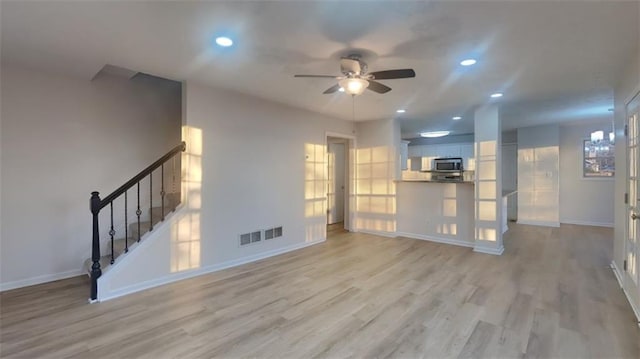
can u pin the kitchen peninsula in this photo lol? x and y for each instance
(439, 211)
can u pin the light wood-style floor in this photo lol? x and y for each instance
(550, 295)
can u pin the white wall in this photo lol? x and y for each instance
(538, 172)
(583, 201)
(378, 164)
(62, 138)
(259, 165)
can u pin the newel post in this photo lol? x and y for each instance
(96, 272)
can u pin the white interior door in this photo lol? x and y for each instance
(336, 183)
(631, 270)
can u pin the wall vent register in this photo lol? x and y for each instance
(256, 236)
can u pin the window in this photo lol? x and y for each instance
(599, 159)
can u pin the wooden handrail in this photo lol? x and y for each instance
(144, 173)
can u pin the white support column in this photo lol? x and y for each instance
(488, 181)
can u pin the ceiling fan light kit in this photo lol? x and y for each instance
(355, 78)
(354, 86)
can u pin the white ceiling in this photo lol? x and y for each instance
(555, 61)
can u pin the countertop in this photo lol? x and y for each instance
(433, 181)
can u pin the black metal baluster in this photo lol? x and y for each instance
(173, 185)
(162, 188)
(173, 174)
(151, 201)
(138, 212)
(112, 232)
(126, 225)
(96, 272)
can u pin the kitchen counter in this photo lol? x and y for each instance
(440, 211)
(433, 181)
(436, 210)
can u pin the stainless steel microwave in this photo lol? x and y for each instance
(450, 164)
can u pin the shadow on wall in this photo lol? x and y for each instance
(538, 198)
(488, 200)
(185, 232)
(315, 192)
(449, 211)
(375, 189)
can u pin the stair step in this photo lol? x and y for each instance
(172, 200)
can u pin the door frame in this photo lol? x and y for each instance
(629, 286)
(350, 213)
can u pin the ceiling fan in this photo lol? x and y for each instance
(355, 78)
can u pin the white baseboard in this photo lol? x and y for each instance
(587, 223)
(539, 223)
(39, 280)
(455, 242)
(489, 250)
(618, 275)
(200, 271)
(379, 233)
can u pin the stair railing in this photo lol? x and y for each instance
(98, 204)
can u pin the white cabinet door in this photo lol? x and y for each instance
(429, 153)
(404, 154)
(444, 151)
(466, 152)
(415, 151)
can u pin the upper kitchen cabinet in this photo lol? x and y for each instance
(468, 156)
(404, 154)
(444, 151)
(423, 155)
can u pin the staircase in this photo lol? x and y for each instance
(123, 245)
(135, 215)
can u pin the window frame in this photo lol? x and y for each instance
(583, 158)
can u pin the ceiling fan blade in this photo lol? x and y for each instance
(378, 87)
(319, 76)
(348, 65)
(393, 74)
(332, 89)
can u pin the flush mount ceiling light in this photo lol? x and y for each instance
(468, 62)
(401, 111)
(354, 86)
(434, 134)
(456, 118)
(341, 89)
(224, 41)
(496, 95)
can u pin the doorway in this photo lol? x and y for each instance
(339, 187)
(631, 267)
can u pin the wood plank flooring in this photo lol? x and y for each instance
(550, 295)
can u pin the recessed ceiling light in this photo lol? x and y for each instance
(468, 62)
(496, 95)
(456, 118)
(341, 89)
(224, 41)
(401, 111)
(433, 134)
